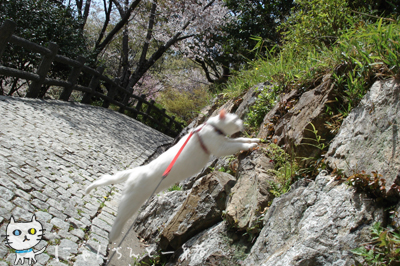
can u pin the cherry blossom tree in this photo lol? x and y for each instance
(175, 25)
(156, 27)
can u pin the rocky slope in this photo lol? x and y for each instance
(234, 217)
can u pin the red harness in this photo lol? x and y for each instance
(203, 146)
(166, 172)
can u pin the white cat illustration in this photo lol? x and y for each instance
(23, 236)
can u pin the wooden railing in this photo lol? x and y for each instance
(141, 111)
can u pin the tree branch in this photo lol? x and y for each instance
(86, 13)
(100, 46)
(146, 64)
(105, 24)
(206, 71)
(185, 37)
(119, 7)
(79, 4)
(149, 33)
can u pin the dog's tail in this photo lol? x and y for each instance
(105, 180)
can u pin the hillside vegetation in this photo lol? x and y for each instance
(352, 48)
(365, 49)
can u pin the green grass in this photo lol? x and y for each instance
(362, 54)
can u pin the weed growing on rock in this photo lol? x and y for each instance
(279, 189)
(255, 228)
(265, 102)
(175, 188)
(375, 186)
(225, 170)
(285, 169)
(384, 248)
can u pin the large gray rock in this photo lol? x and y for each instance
(250, 195)
(267, 128)
(240, 105)
(368, 139)
(200, 210)
(214, 246)
(151, 220)
(316, 223)
(291, 121)
(250, 98)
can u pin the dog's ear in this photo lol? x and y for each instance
(222, 114)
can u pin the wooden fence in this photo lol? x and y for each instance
(141, 111)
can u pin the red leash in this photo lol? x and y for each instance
(163, 176)
(166, 172)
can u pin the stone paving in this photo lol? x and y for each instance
(49, 152)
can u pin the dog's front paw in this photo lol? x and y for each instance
(253, 145)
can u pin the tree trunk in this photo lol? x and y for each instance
(125, 59)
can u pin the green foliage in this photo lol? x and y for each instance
(362, 54)
(367, 52)
(278, 189)
(384, 248)
(222, 169)
(253, 18)
(175, 187)
(285, 168)
(317, 141)
(41, 21)
(316, 22)
(277, 154)
(184, 104)
(265, 102)
(286, 71)
(288, 168)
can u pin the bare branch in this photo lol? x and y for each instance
(105, 24)
(149, 33)
(86, 13)
(100, 46)
(79, 4)
(119, 7)
(146, 64)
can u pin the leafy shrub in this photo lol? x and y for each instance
(374, 185)
(265, 102)
(184, 104)
(367, 53)
(285, 168)
(384, 248)
(316, 22)
(41, 21)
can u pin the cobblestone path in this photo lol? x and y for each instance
(49, 152)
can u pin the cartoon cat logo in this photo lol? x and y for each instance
(23, 236)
